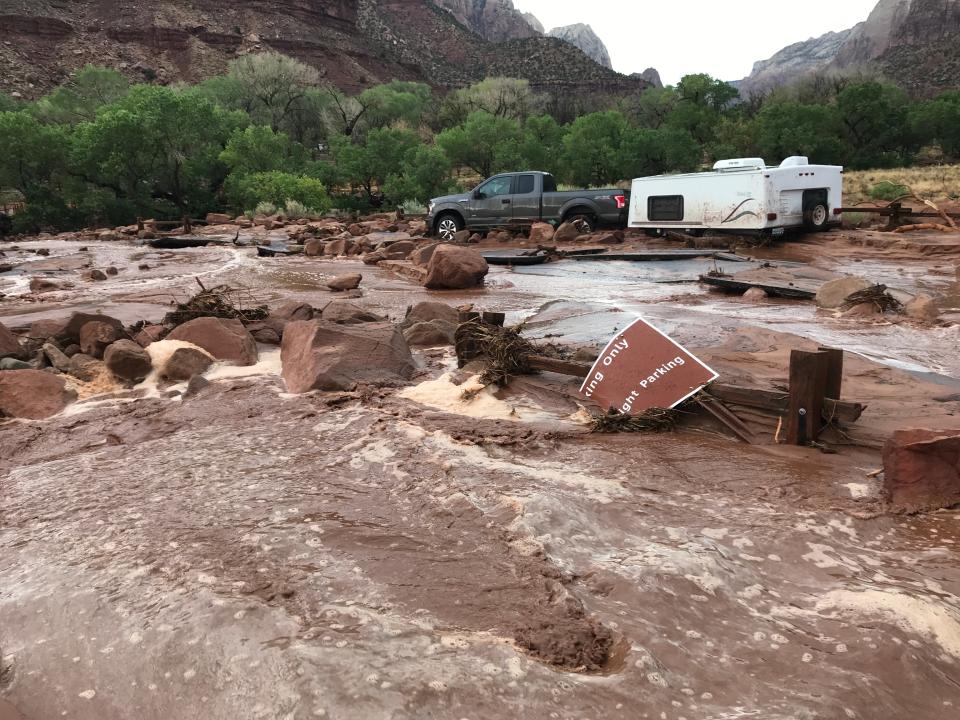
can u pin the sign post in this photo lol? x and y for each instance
(642, 368)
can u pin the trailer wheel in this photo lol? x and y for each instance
(817, 216)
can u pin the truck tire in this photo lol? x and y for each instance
(816, 216)
(587, 222)
(448, 225)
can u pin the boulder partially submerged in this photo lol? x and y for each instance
(453, 267)
(33, 394)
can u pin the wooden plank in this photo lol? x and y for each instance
(784, 291)
(834, 372)
(777, 403)
(497, 319)
(725, 415)
(903, 212)
(808, 382)
(564, 367)
(662, 255)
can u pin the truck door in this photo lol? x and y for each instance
(526, 199)
(492, 203)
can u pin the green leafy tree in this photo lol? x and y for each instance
(397, 101)
(367, 165)
(700, 103)
(425, 174)
(157, 149)
(654, 152)
(485, 143)
(501, 97)
(938, 121)
(652, 108)
(786, 128)
(874, 116)
(82, 96)
(258, 148)
(541, 144)
(594, 148)
(245, 192)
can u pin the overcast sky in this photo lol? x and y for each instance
(678, 37)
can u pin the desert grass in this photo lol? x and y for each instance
(935, 182)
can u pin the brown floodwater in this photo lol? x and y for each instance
(245, 553)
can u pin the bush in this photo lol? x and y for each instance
(296, 210)
(247, 191)
(265, 208)
(887, 190)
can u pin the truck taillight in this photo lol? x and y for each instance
(771, 216)
(621, 201)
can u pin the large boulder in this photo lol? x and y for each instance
(541, 232)
(399, 250)
(338, 247)
(218, 219)
(343, 312)
(351, 281)
(128, 361)
(224, 339)
(314, 247)
(96, 336)
(70, 332)
(921, 469)
(429, 311)
(455, 268)
(422, 255)
(430, 333)
(319, 355)
(184, 363)
(9, 344)
(293, 311)
(834, 293)
(923, 309)
(567, 232)
(32, 394)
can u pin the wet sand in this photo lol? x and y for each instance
(246, 553)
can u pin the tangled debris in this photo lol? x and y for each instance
(652, 420)
(221, 301)
(876, 295)
(506, 352)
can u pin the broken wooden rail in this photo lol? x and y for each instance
(897, 212)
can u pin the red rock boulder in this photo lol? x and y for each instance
(96, 336)
(128, 361)
(921, 469)
(224, 339)
(452, 267)
(319, 355)
(32, 394)
(541, 232)
(9, 344)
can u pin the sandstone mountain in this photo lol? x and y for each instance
(583, 37)
(493, 20)
(913, 42)
(353, 44)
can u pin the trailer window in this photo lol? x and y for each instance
(665, 207)
(525, 185)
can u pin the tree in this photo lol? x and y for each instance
(654, 152)
(784, 128)
(652, 107)
(397, 101)
(258, 148)
(270, 87)
(594, 148)
(157, 148)
(541, 144)
(79, 99)
(485, 143)
(874, 116)
(425, 174)
(368, 165)
(938, 121)
(277, 188)
(501, 97)
(700, 103)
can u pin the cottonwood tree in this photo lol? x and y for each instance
(82, 95)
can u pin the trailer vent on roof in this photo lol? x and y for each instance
(795, 161)
(740, 164)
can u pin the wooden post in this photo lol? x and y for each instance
(497, 319)
(187, 227)
(895, 216)
(464, 343)
(834, 372)
(139, 224)
(808, 383)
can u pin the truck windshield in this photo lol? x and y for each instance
(549, 183)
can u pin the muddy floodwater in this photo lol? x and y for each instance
(241, 552)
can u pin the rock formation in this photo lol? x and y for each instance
(583, 37)
(493, 20)
(795, 61)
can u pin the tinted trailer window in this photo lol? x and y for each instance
(665, 208)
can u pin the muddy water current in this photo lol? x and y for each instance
(246, 553)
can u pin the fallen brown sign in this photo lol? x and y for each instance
(642, 368)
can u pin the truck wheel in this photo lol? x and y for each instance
(448, 226)
(584, 222)
(817, 216)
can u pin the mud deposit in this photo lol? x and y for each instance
(245, 553)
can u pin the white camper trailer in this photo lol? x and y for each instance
(740, 196)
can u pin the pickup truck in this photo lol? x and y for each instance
(518, 199)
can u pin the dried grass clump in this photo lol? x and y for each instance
(652, 420)
(876, 295)
(222, 301)
(506, 352)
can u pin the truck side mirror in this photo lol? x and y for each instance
(478, 195)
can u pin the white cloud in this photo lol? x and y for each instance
(679, 37)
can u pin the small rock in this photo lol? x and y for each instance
(86, 368)
(342, 312)
(834, 293)
(755, 294)
(345, 282)
(9, 363)
(185, 363)
(355, 230)
(862, 310)
(43, 252)
(197, 384)
(218, 219)
(923, 309)
(71, 350)
(150, 334)
(95, 275)
(314, 247)
(566, 233)
(111, 270)
(143, 266)
(43, 285)
(427, 311)
(293, 311)
(432, 333)
(56, 357)
(96, 336)
(462, 237)
(128, 361)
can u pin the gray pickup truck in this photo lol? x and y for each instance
(518, 199)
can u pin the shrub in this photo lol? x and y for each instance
(247, 191)
(295, 210)
(887, 190)
(412, 207)
(265, 208)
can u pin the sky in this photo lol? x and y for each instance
(678, 37)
